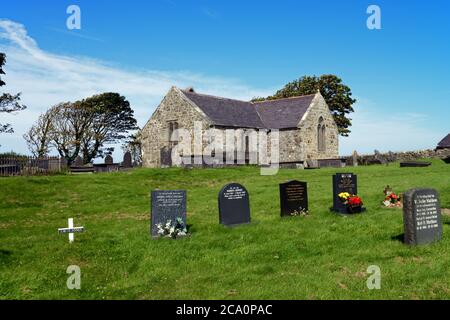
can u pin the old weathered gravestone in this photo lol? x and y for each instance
(234, 205)
(421, 216)
(293, 198)
(127, 161)
(167, 205)
(355, 158)
(166, 157)
(78, 161)
(343, 182)
(109, 159)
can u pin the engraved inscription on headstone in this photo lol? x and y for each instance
(293, 198)
(234, 205)
(422, 216)
(343, 182)
(167, 205)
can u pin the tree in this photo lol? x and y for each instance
(38, 137)
(112, 118)
(83, 127)
(69, 121)
(8, 103)
(337, 95)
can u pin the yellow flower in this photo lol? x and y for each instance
(344, 195)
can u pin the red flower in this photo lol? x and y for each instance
(354, 201)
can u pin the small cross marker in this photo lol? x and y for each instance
(70, 230)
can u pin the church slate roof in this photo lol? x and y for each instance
(270, 114)
(227, 112)
(283, 113)
(445, 143)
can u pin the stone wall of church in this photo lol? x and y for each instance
(291, 147)
(155, 134)
(308, 128)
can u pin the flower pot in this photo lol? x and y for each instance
(354, 209)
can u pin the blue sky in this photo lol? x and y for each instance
(239, 49)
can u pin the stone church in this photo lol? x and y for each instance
(308, 135)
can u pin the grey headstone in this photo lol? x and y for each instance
(166, 157)
(293, 198)
(422, 216)
(127, 160)
(78, 161)
(355, 158)
(167, 205)
(234, 205)
(109, 159)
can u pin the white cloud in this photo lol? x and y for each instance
(45, 79)
(387, 131)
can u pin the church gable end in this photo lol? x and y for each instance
(174, 112)
(319, 131)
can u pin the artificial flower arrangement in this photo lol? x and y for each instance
(352, 201)
(391, 199)
(171, 229)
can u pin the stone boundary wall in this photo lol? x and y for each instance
(383, 158)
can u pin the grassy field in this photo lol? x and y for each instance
(322, 256)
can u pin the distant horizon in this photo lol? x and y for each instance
(398, 74)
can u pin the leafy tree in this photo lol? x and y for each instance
(111, 119)
(337, 95)
(69, 121)
(8, 102)
(83, 127)
(38, 137)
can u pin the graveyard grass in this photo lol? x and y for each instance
(322, 256)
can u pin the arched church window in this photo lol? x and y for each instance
(321, 134)
(324, 140)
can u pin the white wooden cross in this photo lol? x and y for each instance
(71, 230)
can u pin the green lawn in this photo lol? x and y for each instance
(322, 256)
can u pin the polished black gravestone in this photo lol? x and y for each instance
(234, 205)
(421, 216)
(167, 205)
(343, 182)
(293, 198)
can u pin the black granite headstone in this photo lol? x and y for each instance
(167, 205)
(421, 216)
(343, 182)
(293, 198)
(234, 205)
